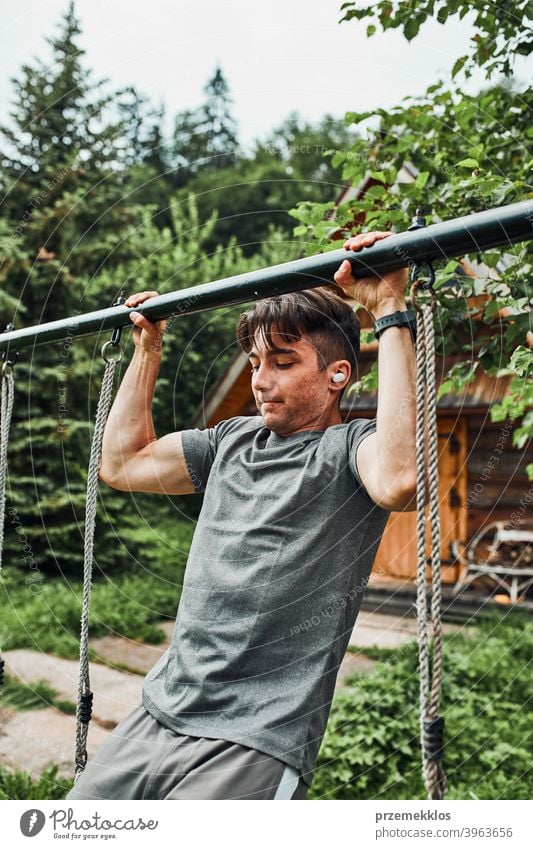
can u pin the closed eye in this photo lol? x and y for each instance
(278, 365)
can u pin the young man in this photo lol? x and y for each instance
(295, 505)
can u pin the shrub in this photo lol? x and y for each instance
(20, 785)
(371, 749)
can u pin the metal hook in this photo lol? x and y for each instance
(8, 359)
(114, 342)
(418, 222)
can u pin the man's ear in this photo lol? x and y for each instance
(339, 373)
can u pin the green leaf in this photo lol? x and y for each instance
(422, 179)
(459, 65)
(411, 28)
(467, 163)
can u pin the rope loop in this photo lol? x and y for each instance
(425, 286)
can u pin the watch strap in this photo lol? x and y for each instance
(401, 318)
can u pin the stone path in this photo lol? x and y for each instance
(33, 739)
(115, 693)
(135, 656)
(389, 632)
(30, 740)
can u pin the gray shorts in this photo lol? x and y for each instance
(142, 759)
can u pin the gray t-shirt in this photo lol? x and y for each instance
(280, 558)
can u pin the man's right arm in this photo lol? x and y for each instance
(133, 458)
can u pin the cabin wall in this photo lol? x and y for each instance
(498, 486)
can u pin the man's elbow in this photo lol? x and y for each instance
(403, 499)
(112, 480)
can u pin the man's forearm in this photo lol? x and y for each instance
(396, 413)
(130, 425)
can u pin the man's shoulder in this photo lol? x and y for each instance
(351, 428)
(343, 441)
(238, 425)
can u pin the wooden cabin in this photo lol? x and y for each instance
(472, 491)
(482, 475)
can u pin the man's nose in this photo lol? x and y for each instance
(261, 378)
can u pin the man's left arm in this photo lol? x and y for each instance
(386, 459)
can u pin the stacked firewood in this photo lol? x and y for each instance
(516, 554)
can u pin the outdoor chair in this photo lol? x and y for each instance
(501, 553)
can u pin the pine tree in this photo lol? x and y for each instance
(256, 193)
(220, 126)
(63, 178)
(150, 171)
(205, 139)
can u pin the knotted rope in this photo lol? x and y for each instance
(85, 696)
(431, 724)
(6, 410)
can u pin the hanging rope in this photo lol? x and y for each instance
(6, 410)
(431, 724)
(85, 696)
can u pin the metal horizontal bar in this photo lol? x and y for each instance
(500, 227)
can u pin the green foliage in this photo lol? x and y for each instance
(46, 615)
(205, 139)
(504, 28)
(97, 201)
(465, 153)
(16, 784)
(254, 194)
(518, 402)
(459, 375)
(63, 171)
(371, 747)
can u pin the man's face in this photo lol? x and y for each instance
(290, 391)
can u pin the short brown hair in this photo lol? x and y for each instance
(323, 317)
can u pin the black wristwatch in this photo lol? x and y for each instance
(396, 319)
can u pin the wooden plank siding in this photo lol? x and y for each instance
(498, 486)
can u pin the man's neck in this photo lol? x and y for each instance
(321, 424)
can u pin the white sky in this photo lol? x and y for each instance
(277, 55)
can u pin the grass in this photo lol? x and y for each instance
(373, 652)
(129, 603)
(35, 696)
